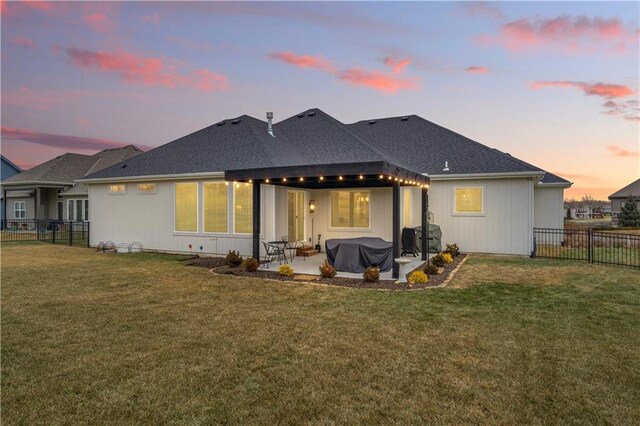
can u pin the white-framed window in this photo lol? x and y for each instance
(468, 200)
(186, 207)
(243, 208)
(350, 208)
(216, 207)
(78, 209)
(119, 188)
(20, 209)
(147, 188)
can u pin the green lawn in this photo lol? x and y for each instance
(102, 338)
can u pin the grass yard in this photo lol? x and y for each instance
(628, 256)
(100, 338)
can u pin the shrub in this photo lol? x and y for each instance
(431, 269)
(418, 277)
(234, 258)
(285, 270)
(327, 270)
(452, 249)
(251, 264)
(438, 260)
(371, 274)
(629, 214)
(447, 257)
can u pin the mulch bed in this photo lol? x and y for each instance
(217, 265)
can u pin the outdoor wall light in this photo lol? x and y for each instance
(312, 206)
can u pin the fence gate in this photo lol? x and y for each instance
(52, 231)
(587, 245)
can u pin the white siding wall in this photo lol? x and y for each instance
(149, 219)
(379, 219)
(549, 207)
(319, 222)
(505, 227)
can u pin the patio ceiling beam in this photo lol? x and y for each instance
(376, 173)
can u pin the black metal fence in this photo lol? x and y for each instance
(52, 231)
(588, 245)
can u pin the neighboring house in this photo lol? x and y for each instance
(7, 169)
(48, 191)
(619, 197)
(365, 179)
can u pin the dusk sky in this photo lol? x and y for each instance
(555, 84)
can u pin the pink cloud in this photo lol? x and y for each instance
(22, 42)
(621, 152)
(99, 22)
(84, 122)
(43, 6)
(148, 71)
(565, 33)
(397, 65)
(475, 69)
(388, 83)
(628, 110)
(151, 19)
(376, 80)
(604, 90)
(61, 141)
(303, 61)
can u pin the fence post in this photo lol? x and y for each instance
(590, 245)
(88, 234)
(53, 233)
(71, 232)
(533, 252)
(38, 229)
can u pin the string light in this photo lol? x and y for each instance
(390, 178)
(321, 178)
(340, 177)
(284, 179)
(250, 180)
(266, 180)
(396, 179)
(301, 179)
(381, 177)
(361, 177)
(401, 180)
(226, 183)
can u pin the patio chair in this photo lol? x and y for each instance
(409, 242)
(292, 247)
(273, 252)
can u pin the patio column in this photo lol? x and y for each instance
(425, 224)
(256, 221)
(396, 228)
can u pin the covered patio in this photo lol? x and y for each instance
(358, 175)
(310, 266)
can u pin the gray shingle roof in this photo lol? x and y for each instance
(426, 147)
(68, 167)
(632, 189)
(324, 140)
(230, 144)
(314, 137)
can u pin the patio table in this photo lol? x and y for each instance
(356, 254)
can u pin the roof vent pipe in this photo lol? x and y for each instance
(270, 123)
(446, 166)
